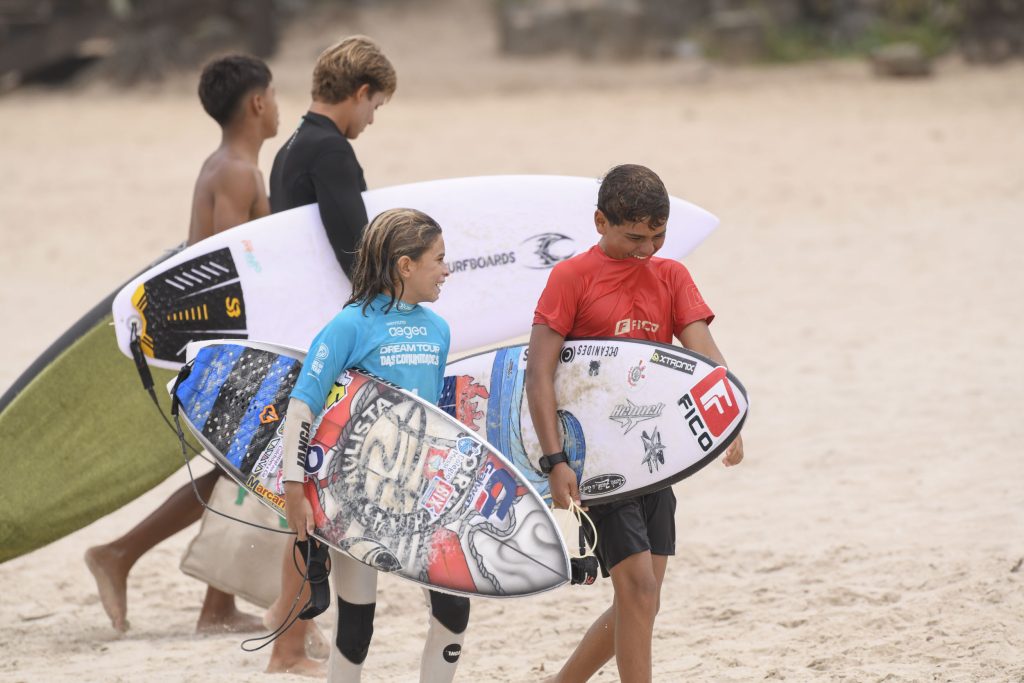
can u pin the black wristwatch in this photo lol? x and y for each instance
(548, 462)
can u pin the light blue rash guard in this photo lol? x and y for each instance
(407, 346)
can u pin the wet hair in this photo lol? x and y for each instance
(226, 81)
(633, 194)
(390, 236)
(347, 65)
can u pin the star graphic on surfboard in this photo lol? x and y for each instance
(654, 455)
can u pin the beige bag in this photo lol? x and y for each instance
(237, 558)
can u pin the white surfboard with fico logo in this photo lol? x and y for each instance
(276, 279)
(636, 416)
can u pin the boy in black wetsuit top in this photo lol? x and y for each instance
(317, 164)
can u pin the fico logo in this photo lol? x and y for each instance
(407, 331)
(627, 325)
(716, 401)
(714, 410)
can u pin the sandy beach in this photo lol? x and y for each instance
(867, 281)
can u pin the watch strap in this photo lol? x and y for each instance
(548, 462)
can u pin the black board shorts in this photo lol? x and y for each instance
(633, 525)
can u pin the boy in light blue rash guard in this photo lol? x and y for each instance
(406, 345)
(382, 330)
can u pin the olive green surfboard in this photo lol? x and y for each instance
(79, 437)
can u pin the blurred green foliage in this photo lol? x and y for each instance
(929, 24)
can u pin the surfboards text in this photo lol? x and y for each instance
(477, 262)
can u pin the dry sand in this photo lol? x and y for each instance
(867, 278)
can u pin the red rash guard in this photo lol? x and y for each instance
(594, 295)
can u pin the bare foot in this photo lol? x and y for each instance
(317, 646)
(232, 621)
(301, 666)
(111, 583)
(219, 615)
(314, 639)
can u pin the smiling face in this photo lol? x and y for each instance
(422, 278)
(630, 240)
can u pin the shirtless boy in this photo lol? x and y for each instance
(237, 92)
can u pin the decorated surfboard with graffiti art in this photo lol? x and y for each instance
(276, 278)
(393, 481)
(635, 416)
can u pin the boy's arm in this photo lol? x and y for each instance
(697, 337)
(545, 346)
(295, 441)
(338, 184)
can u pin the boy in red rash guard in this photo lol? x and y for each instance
(618, 288)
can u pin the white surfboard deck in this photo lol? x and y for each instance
(636, 416)
(276, 279)
(393, 481)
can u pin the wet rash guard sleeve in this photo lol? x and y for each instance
(296, 440)
(331, 354)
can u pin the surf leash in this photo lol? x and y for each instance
(315, 575)
(316, 571)
(188, 465)
(147, 383)
(142, 367)
(317, 568)
(584, 567)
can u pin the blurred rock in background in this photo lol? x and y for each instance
(992, 30)
(763, 30)
(49, 41)
(133, 41)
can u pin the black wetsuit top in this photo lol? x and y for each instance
(318, 164)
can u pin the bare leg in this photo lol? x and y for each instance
(111, 563)
(634, 580)
(289, 652)
(316, 643)
(219, 615)
(602, 640)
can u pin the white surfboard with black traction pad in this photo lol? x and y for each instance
(276, 279)
(636, 416)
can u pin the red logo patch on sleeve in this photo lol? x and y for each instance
(693, 296)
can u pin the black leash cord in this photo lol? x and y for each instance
(142, 367)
